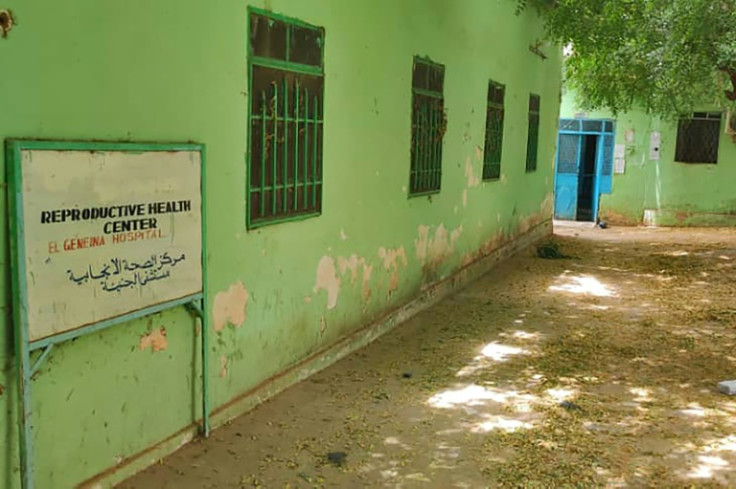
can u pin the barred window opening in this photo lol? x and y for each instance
(286, 120)
(428, 127)
(532, 144)
(494, 131)
(698, 138)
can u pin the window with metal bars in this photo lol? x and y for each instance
(428, 125)
(698, 137)
(532, 142)
(494, 132)
(286, 80)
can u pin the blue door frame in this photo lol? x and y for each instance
(569, 164)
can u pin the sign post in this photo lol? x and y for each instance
(101, 233)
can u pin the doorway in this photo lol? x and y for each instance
(586, 179)
(583, 168)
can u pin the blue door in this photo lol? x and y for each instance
(567, 176)
(584, 167)
(606, 165)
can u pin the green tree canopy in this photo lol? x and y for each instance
(666, 56)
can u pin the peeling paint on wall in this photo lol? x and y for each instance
(473, 180)
(230, 307)
(331, 273)
(433, 250)
(486, 248)
(223, 366)
(392, 260)
(455, 235)
(548, 205)
(437, 248)
(156, 340)
(420, 244)
(393, 283)
(443, 243)
(351, 264)
(367, 273)
(328, 280)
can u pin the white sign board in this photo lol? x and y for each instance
(107, 233)
(619, 158)
(655, 142)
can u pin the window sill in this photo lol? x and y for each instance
(250, 226)
(426, 193)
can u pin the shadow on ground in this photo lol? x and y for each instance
(598, 370)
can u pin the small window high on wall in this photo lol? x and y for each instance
(428, 124)
(698, 137)
(494, 132)
(286, 80)
(532, 143)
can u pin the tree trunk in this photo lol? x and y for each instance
(730, 94)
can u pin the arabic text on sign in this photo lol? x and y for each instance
(120, 274)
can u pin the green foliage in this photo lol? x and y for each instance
(666, 56)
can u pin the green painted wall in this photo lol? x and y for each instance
(676, 194)
(175, 70)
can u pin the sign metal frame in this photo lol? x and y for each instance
(196, 303)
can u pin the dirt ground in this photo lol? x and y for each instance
(595, 371)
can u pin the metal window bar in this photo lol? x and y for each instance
(494, 131)
(289, 119)
(286, 80)
(437, 132)
(569, 124)
(425, 158)
(428, 126)
(698, 138)
(567, 156)
(532, 144)
(493, 143)
(608, 142)
(315, 162)
(427, 137)
(587, 126)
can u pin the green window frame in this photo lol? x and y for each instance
(494, 131)
(532, 143)
(428, 126)
(285, 119)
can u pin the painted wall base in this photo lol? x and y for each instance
(322, 359)
(673, 218)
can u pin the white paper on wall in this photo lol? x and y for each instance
(619, 158)
(655, 143)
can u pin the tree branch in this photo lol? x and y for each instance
(730, 94)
